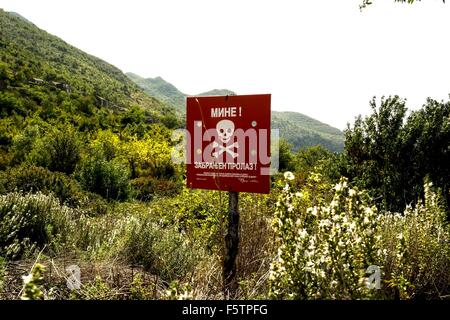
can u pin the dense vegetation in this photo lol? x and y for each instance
(89, 182)
(390, 152)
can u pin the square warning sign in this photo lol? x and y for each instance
(228, 143)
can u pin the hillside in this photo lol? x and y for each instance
(32, 60)
(303, 131)
(296, 128)
(161, 90)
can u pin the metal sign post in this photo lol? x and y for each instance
(230, 284)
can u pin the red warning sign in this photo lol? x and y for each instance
(228, 143)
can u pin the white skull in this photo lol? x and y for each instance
(225, 129)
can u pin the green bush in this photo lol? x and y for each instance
(164, 252)
(67, 190)
(32, 284)
(30, 221)
(110, 179)
(60, 150)
(23, 143)
(146, 187)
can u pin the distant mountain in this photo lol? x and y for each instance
(298, 129)
(303, 131)
(167, 92)
(34, 63)
(161, 90)
(216, 92)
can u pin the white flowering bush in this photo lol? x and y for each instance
(416, 250)
(324, 249)
(325, 246)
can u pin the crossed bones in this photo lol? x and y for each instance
(225, 149)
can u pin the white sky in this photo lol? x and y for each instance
(324, 58)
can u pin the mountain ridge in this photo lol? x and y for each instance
(298, 129)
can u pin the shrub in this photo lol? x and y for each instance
(67, 190)
(416, 250)
(326, 247)
(146, 187)
(106, 178)
(32, 284)
(59, 150)
(164, 252)
(30, 221)
(199, 215)
(23, 143)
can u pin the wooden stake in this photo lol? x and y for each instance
(230, 284)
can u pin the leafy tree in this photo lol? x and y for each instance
(135, 115)
(316, 159)
(307, 158)
(427, 147)
(110, 179)
(390, 154)
(285, 156)
(59, 150)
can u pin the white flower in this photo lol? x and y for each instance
(324, 223)
(27, 279)
(289, 175)
(302, 233)
(352, 193)
(299, 194)
(310, 266)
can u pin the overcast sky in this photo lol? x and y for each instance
(324, 58)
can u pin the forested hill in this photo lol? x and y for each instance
(303, 131)
(35, 64)
(161, 90)
(298, 129)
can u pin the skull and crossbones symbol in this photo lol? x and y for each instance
(225, 130)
